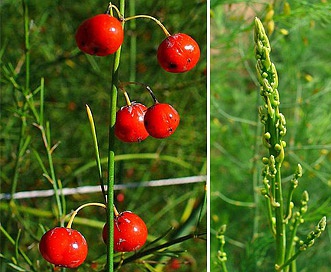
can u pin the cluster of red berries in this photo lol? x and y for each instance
(135, 122)
(103, 35)
(67, 247)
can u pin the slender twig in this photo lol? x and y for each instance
(45, 135)
(166, 32)
(304, 245)
(75, 212)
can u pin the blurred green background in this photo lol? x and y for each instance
(300, 41)
(72, 80)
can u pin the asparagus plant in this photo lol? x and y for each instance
(284, 217)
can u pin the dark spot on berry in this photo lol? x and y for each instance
(95, 50)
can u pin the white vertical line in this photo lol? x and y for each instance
(208, 136)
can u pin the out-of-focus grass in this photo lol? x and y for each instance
(72, 80)
(300, 51)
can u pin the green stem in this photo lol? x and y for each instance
(304, 245)
(27, 46)
(19, 153)
(111, 165)
(166, 32)
(45, 134)
(291, 242)
(280, 224)
(111, 155)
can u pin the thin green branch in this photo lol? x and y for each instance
(304, 245)
(294, 185)
(111, 153)
(234, 202)
(45, 134)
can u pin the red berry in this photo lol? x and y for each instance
(120, 197)
(129, 126)
(130, 232)
(161, 120)
(100, 35)
(178, 53)
(175, 264)
(63, 247)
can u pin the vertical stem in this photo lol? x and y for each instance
(52, 170)
(280, 224)
(111, 155)
(42, 95)
(18, 154)
(27, 46)
(277, 191)
(111, 164)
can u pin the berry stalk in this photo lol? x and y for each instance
(164, 29)
(75, 212)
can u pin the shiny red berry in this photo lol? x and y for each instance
(63, 247)
(100, 35)
(130, 232)
(161, 120)
(129, 126)
(178, 53)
